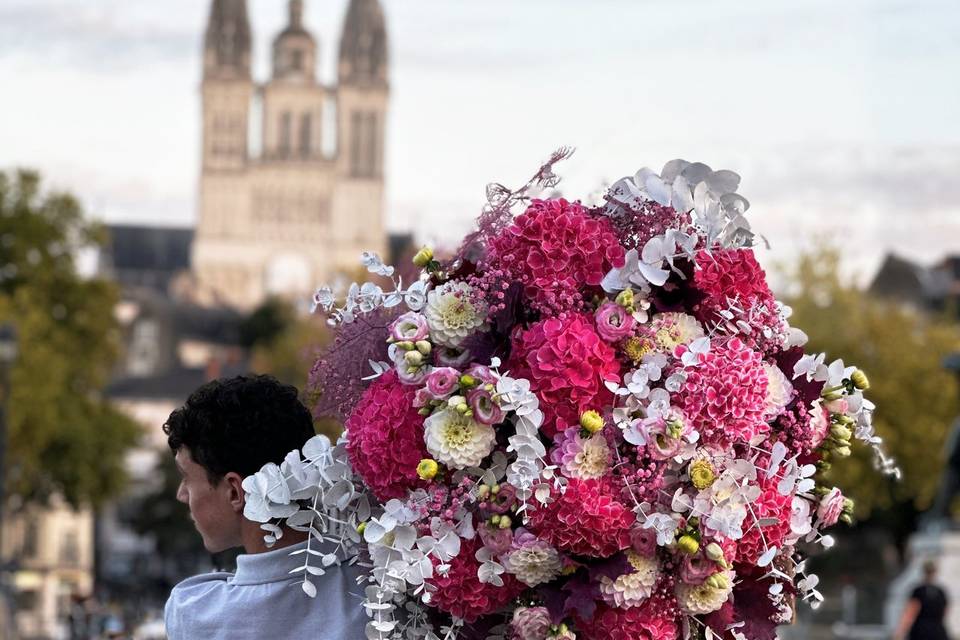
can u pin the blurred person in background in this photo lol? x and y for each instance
(925, 611)
(229, 429)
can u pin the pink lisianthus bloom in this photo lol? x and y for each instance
(830, 508)
(665, 434)
(614, 323)
(530, 623)
(442, 382)
(496, 539)
(410, 327)
(643, 541)
(697, 568)
(485, 409)
(481, 374)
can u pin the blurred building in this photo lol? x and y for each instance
(284, 211)
(51, 548)
(935, 288)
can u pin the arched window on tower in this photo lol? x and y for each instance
(356, 143)
(370, 164)
(285, 133)
(305, 146)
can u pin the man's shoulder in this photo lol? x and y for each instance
(200, 584)
(188, 597)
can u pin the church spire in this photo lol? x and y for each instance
(226, 45)
(363, 45)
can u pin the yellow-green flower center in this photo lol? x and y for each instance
(702, 474)
(457, 434)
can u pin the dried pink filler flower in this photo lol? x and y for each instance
(336, 378)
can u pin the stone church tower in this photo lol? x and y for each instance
(300, 210)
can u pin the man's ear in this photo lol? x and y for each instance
(235, 494)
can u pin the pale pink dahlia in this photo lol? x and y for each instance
(530, 623)
(579, 457)
(725, 395)
(634, 586)
(566, 363)
(385, 438)
(460, 592)
(588, 519)
(555, 248)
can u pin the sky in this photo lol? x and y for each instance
(841, 117)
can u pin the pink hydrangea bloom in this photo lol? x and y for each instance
(758, 538)
(724, 396)
(735, 274)
(460, 592)
(566, 363)
(655, 619)
(385, 438)
(555, 248)
(588, 519)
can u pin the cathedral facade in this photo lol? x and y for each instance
(287, 211)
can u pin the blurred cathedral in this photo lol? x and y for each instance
(285, 211)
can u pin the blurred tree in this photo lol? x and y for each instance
(63, 435)
(901, 350)
(285, 345)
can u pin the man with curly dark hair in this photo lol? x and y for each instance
(227, 430)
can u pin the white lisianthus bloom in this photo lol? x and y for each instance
(456, 440)
(453, 314)
(631, 589)
(779, 390)
(709, 596)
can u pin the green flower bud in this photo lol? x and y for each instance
(823, 465)
(468, 381)
(406, 345)
(413, 358)
(842, 452)
(718, 581)
(423, 257)
(495, 489)
(688, 545)
(625, 298)
(840, 432)
(424, 347)
(505, 522)
(860, 380)
(361, 527)
(714, 552)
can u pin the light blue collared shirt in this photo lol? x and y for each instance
(264, 600)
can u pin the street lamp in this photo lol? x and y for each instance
(8, 354)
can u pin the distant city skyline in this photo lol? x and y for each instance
(841, 118)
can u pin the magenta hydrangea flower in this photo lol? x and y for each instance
(556, 249)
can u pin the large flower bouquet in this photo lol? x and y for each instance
(591, 422)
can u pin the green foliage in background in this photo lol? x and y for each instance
(286, 344)
(62, 434)
(901, 349)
